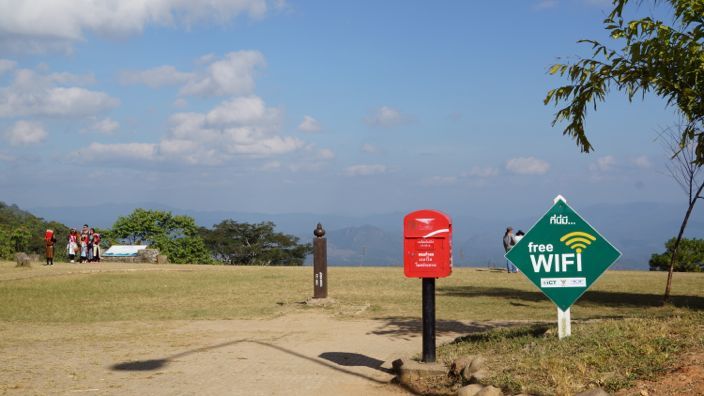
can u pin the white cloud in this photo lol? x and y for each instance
(233, 75)
(180, 103)
(370, 148)
(40, 25)
(365, 170)
(240, 127)
(247, 110)
(25, 132)
(527, 166)
(68, 78)
(603, 164)
(156, 77)
(106, 126)
(271, 166)
(386, 116)
(440, 181)
(32, 93)
(326, 154)
(482, 172)
(6, 65)
(118, 151)
(309, 124)
(642, 162)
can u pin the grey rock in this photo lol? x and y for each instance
(594, 392)
(479, 376)
(472, 364)
(469, 390)
(490, 391)
(477, 364)
(461, 363)
(148, 256)
(22, 260)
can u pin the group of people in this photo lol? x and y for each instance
(511, 239)
(84, 246)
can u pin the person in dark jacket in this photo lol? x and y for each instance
(509, 241)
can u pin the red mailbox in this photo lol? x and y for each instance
(427, 244)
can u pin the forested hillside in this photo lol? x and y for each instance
(21, 231)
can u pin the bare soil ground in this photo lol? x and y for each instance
(688, 379)
(301, 354)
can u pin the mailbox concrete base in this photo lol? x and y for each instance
(409, 370)
(320, 301)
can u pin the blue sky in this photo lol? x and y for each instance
(311, 106)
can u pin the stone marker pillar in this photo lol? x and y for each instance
(320, 263)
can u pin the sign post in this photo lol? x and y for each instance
(427, 254)
(563, 256)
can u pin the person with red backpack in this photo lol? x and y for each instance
(50, 241)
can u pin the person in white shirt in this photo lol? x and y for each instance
(519, 235)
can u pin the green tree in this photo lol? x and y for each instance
(254, 244)
(667, 60)
(690, 256)
(22, 231)
(175, 236)
(6, 249)
(653, 57)
(21, 239)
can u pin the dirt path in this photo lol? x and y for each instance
(301, 354)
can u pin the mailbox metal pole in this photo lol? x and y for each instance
(320, 263)
(429, 320)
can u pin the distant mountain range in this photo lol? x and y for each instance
(637, 230)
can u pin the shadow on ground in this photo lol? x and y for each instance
(338, 359)
(405, 328)
(156, 364)
(350, 359)
(595, 297)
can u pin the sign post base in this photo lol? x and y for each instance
(564, 323)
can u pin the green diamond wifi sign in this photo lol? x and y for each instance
(563, 255)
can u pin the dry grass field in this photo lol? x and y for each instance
(106, 292)
(622, 333)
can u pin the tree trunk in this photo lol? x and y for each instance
(666, 298)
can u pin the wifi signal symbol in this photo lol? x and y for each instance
(577, 240)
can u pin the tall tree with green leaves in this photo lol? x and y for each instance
(690, 256)
(175, 236)
(254, 244)
(652, 56)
